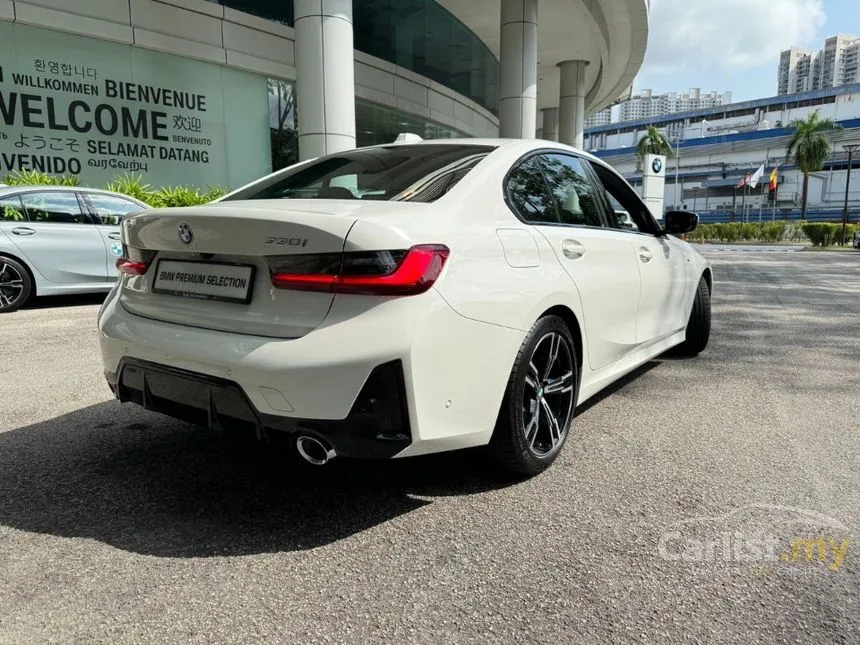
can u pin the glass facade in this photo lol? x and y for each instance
(374, 124)
(417, 35)
(283, 124)
(377, 124)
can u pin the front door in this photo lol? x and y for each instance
(57, 239)
(661, 264)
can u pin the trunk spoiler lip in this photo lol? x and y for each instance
(284, 207)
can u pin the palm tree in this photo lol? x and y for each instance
(654, 143)
(810, 147)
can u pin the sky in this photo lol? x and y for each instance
(734, 45)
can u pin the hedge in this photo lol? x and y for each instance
(168, 196)
(824, 234)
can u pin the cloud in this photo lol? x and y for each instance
(728, 35)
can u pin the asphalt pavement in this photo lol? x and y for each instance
(712, 500)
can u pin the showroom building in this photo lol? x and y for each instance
(206, 92)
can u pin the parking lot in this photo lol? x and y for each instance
(119, 526)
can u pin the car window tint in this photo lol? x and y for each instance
(622, 217)
(625, 201)
(109, 209)
(573, 190)
(409, 173)
(11, 210)
(53, 207)
(528, 193)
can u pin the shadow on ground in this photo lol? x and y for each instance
(147, 484)
(78, 300)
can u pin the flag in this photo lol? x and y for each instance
(774, 178)
(745, 180)
(757, 176)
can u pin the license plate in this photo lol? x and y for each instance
(204, 280)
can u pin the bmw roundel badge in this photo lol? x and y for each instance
(185, 233)
(657, 165)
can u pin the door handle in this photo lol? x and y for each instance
(23, 230)
(572, 249)
(114, 236)
(645, 255)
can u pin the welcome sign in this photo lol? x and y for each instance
(79, 106)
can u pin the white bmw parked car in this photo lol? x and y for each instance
(57, 240)
(404, 299)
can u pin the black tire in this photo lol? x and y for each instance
(510, 444)
(699, 325)
(15, 285)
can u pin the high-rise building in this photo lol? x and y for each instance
(801, 70)
(646, 104)
(604, 117)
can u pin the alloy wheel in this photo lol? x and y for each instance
(11, 285)
(549, 395)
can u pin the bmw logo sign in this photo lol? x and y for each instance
(657, 165)
(186, 234)
(116, 248)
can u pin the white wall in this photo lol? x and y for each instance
(207, 31)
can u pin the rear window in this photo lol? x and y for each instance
(408, 173)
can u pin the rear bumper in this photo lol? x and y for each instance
(377, 426)
(454, 373)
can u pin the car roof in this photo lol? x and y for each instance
(525, 144)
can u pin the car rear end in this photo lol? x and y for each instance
(315, 317)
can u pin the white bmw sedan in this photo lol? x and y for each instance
(404, 299)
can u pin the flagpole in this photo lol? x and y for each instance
(775, 190)
(775, 196)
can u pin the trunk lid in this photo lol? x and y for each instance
(209, 263)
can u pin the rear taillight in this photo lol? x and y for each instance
(383, 273)
(134, 261)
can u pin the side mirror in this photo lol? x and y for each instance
(680, 222)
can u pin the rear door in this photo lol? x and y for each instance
(58, 239)
(558, 196)
(107, 212)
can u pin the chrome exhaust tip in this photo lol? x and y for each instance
(314, 451)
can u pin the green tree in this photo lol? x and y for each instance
(810, 147)
(654, 143)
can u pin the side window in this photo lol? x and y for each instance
(11, 210)
(621, 215)
(528, 193)
(53, 207)
(111, 210)
(574, 192)
(631, 213)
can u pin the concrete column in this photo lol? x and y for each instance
(550, 124)
(571, 107)
(325, 77)
(518, 73)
